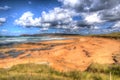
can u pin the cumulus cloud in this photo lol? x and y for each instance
(4, 7)
(111, 14)
(92, 18)
(58, 14)
(89, 5)
(56, 17)
(93, 13)
(27, 20)
(2, 20)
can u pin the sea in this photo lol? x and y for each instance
(21, 39)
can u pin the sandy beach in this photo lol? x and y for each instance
(77, 53)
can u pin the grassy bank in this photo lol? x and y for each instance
(115, 35)
(44, 72)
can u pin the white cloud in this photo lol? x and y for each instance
(117, 25)
(58, 16)
(2, 20)
(71, 3)
(95, 27)
(4, 30)
(5, 7)
(89, 5)
(27, 20)
(102, 9)
(93, 18)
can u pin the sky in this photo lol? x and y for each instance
(59, 16)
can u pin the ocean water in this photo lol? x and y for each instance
(13, 40)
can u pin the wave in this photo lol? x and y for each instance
(12, 40)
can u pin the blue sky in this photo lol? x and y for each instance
(17, 8)
(59, 16)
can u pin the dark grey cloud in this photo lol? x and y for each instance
(82, 24)
(111, 14)
(89, 5)
(95, 12)
(108, 10)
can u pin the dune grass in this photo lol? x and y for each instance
(44, 72)
(114, 35)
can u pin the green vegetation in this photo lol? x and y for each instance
(115, 35)
(44, 72)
